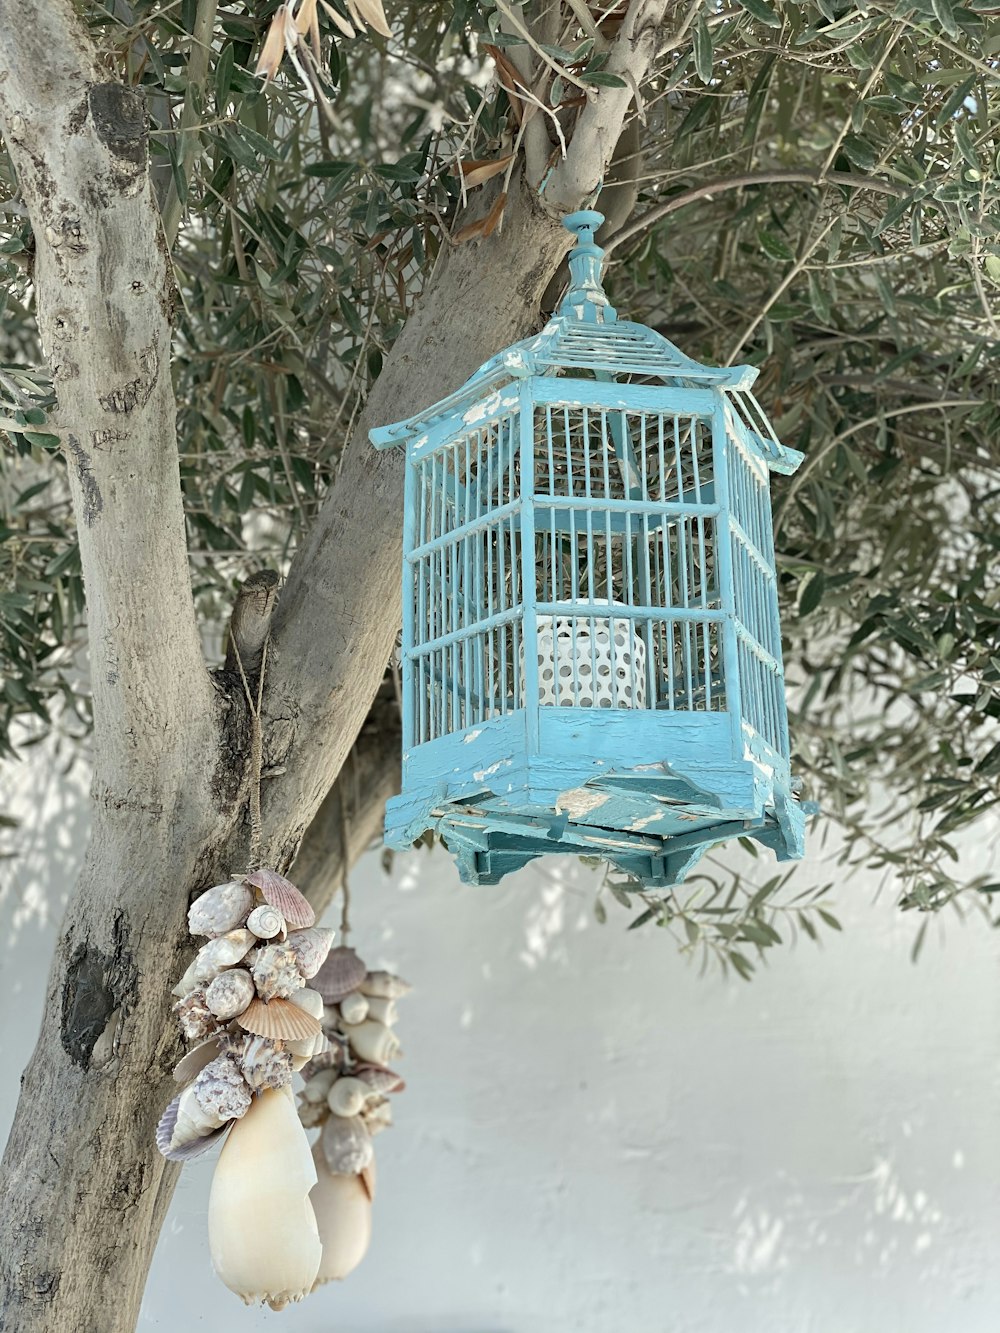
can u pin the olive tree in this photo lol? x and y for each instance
(236, 236)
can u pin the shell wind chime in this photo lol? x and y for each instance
(263, 999)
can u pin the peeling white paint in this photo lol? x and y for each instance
(472, 736)
(578, 802)
(484, 773)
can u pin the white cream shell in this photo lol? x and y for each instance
(262, 1230)
(343, 1209)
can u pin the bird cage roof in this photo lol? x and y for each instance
(587, 336)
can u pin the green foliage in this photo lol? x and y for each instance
(818, 196)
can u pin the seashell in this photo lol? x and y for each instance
(192, 1121)
(380, 1079)
(265, 1065)
(220, 909)
(373, 1041)
(262, 1230)
(221, 1090)
(309, 1048)
(190, 1065)
(194, 1016)
(347, 1096)
(347, 1145)
(266, 922)
(276, 972)
(319, 1085)
(342, 973)
(381, 1009)
(282, 894)
(212, 958)
(385, 985)
(367, 1177)
(311, 948)
(378, 1115)
(313, 1114)
(343, 1208)
(166, 1132)
(309, 1000)
(354, 1007)
(279, 1019)
(332, 1058)
(229, 993)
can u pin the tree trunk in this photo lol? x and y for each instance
(84, 1191)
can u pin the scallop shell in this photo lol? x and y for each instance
(311, 948)
(194, 1016)
(166, 1130)
(282, 894)
(229, 993)
(276, 972)
(220, 909)
(342, 973)
(385, 985)
(279, 1019)
(266, 922)
(347, 1145)
(265, 1065)
(190, 1065)
(354, 1007)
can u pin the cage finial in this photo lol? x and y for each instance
(586, 299)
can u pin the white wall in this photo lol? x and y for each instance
(596, 1140)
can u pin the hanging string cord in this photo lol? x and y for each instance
(256, 750)
(345, 905)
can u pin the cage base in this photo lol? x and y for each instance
(653, 829)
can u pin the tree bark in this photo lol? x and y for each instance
(84, 1190)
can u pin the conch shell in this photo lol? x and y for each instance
(379, 1008)
(194, 1016)
(343, 1208)
(186, 1146)
(385, 985)
(220, 909)
(229, 993)
(311, 948)
(347, 1096)
(212, 958)
(347, 1145)
(282, 894)
(217, 1096)
(265, 1064)
(372, 1041)
(262, 1230)
(276, 972)
(354, 1007)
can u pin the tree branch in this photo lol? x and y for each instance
(751, 178)
(351, 815)
(578, 179)
(104, 299)
(250, 622)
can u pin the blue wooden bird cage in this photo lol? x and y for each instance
(591, 654)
